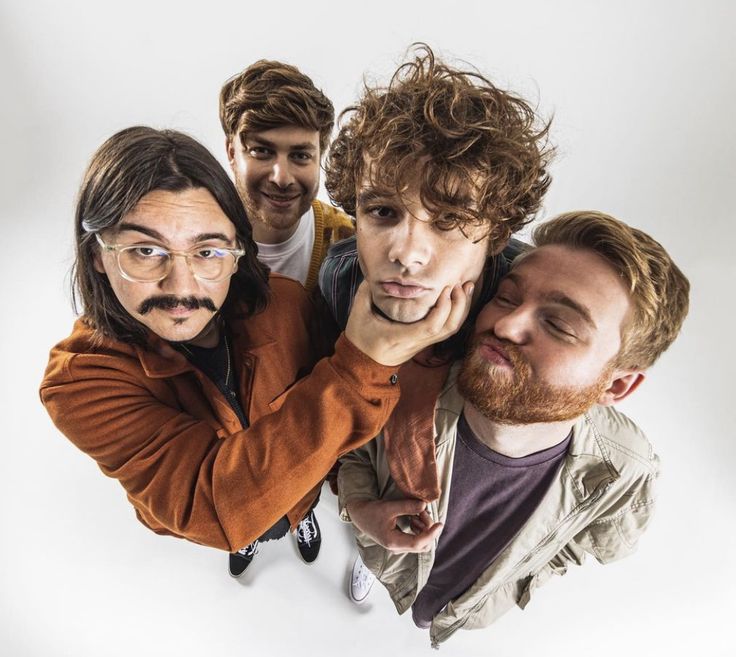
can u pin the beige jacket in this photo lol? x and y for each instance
(600, 503)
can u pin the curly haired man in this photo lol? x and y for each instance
(440, 169)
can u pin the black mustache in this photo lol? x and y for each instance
(169, 302)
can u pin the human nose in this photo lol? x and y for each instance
(179, 280)
(412, 243)
(281, 174)
(514, 325)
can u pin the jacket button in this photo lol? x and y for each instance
(394, 378)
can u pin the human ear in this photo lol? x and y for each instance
(495, 247)
(230, 149)
(97, 261)
(623, 383)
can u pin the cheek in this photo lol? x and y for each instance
(473, 260)
(309, 178)
(486, 319)
(369, 250)
(217, 293)
(130, 295)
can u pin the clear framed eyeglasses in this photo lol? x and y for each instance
(149, 263)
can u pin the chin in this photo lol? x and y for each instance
(404, 312)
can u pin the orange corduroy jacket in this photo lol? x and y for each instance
(163, 429)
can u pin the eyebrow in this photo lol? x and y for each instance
(372, 194)
(201, 237)
(560, 299)
(306, 146)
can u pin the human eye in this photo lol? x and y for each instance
(260, 152)
(146, 251)
(380, 211)
(301, 157)
(447, 222)
(211, 253)
(504, 300)
(560, 328)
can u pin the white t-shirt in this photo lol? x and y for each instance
(291, 258)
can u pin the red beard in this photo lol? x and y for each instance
(515, 397)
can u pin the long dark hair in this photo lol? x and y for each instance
(129, 165)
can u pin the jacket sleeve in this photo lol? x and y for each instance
(357, 477)
(180, 474)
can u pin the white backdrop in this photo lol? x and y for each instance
(643, 96)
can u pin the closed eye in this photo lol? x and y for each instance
(504, 301)
(559, 328)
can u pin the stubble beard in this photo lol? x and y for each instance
(515, 397)
(257, 213)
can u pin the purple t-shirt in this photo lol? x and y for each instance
(491, 497)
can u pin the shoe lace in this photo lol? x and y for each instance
(363, 577)
(250, 550)
(306, 531)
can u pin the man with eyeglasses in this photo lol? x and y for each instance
(187, 376)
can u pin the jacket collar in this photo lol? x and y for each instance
(160, 360)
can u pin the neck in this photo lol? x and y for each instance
(515, 440)
(265, 234)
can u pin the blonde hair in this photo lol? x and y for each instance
(659, 290)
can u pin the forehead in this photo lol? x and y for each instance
(380, 177)
(285, 137)
(178, 216)
(580, 275)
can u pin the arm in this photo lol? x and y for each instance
(376, 520)
(179, 473)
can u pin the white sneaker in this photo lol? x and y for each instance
(361, 582)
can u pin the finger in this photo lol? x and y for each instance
(437, 316)
(362, 298)
(425, 518)
(405, 507)
(400, 542)
(461, 298)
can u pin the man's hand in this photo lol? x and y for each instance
(378, 519)
(393, 343)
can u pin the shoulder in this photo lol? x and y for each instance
(623, 442)
(288, 297)
(83, 353)
(339, 278)
(334, 219)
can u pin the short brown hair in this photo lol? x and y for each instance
(473, 136)
(129, 165)
(658, 289)
(271, 94)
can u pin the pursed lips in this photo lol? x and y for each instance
(492, 350)
(402, 289)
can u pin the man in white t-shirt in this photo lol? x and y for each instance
(277, 125)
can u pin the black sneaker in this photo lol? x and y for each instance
(308, 537)
(241, 559)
